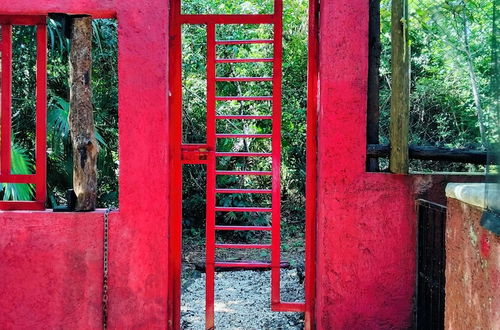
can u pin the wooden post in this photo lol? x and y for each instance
(400, 98)
(81, 119)
(373, 108)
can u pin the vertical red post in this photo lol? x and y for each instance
(276, 154)
(41, 114)
(311, 159)
(211, 166)
(175, 128)
(6, 98)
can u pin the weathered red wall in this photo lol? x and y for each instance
(58, 257)
(366, 221)
(472, 270)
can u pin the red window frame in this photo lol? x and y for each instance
(40, 175)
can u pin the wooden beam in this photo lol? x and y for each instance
(81, 118)
(433, 153)
(400, 98)
(373, 108)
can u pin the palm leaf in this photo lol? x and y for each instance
(20, 165)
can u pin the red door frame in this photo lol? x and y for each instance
(176, 154)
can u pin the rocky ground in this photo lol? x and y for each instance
(242, 300)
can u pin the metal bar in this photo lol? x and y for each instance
(311, 161)
(22, 205)
(243, 154)
(243, 60)
(244, 78)
(211, 182)
(243, 191)
(22, 20)
(231, 264)
(18, 178)
(241, 42)
(242, 246)
(243, 117)
(289, 307)
(242, 209)
(226, 19)
(244, 98)
(6, 121)
(244, 228)
(41, 114)
(175, 129)
(243, 136)
(243, 173)
(276, 154)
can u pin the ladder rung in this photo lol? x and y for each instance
(243, 117)
(242, 264)
(244, 79)
(240, 42)
(242, 246)
(243, 191)
(244, 98)
(243, 60)
(242, 209)
(243, 172)
(243, 154)
(243, 136)
(245, 228)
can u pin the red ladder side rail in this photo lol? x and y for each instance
(40, 176)
(276, 154)
(211, 180)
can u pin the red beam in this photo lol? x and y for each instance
(240, 42)
(22, 20)
(242, 246)
(244, 117)
(244, 98)
(243, 191)
(243, 173)
(226, 19)
(244, 228)
(243, 154)
(243, 60)
(242, 209)
(244, 78)
(6, 121)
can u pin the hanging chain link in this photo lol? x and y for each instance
(105, 270)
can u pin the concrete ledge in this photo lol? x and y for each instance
(471, 193)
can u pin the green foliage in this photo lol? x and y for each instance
(443, 109)
(59, 152)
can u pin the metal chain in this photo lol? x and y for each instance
(105, 270)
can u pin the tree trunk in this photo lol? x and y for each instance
(400, 97)
(473, 81)
(81, 119)
(373, 107)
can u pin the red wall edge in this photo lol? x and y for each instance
(51, 264)
(50, 249)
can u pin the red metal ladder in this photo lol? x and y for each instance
(208, 153)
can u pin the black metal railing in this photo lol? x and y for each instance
(431, 262)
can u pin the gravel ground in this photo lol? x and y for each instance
(242, 301)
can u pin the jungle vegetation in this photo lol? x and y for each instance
(452, 100)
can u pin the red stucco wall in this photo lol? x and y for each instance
(51, 263)
(49, 250)
(472, 270)
(366, 221)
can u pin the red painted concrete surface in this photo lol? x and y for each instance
(472, 270)
(67, 247)
(51, 263)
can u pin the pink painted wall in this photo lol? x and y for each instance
(51, 263)
(366, 221)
